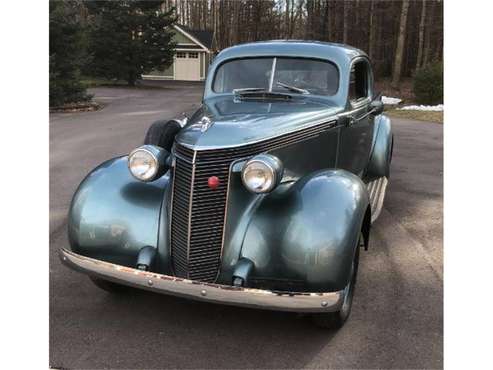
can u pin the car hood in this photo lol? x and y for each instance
(228, 121)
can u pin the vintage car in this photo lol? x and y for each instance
(262, 198)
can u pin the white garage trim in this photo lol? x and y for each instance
(186, 68)
(192, 38)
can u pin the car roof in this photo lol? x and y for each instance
(339, 53)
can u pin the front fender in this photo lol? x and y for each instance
(112, 215)
(379, 164)
(308, 232)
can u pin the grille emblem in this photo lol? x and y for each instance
(213, 182)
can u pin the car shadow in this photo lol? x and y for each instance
(216, 335)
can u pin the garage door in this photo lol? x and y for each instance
(187, 66)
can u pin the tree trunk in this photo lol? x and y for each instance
(346, 20)
(396, 75)
(421, 37)
(236, 17)
(131, 79)
(371, 31)
(429, 35)
(325, 21)
(309, 19)
(332, 22)
(286, 20)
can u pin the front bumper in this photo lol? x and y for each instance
(215, 293)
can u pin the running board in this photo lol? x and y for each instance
(376, 191)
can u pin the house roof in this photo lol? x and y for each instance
(204, 37)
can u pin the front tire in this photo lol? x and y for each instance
(335, 320)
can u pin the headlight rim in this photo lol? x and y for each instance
(155, 154)
(272, 163)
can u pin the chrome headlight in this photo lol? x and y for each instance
(147, 162)
(262, 173)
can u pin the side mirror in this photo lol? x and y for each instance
(376, 107)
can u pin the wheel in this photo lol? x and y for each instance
(162, 134)
(109, 286)
(335, 320)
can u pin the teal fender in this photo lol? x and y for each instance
(308, 232)
(112, 215)
(381, 152)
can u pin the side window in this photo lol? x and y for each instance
(359, 82)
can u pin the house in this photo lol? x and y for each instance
(192, 56)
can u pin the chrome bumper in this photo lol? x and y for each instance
(215, 293)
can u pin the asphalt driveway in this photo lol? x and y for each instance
(397, 318)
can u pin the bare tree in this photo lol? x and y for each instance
(371, 30)
(422, 20)
(429, 35)
(346, 20)
(398, 35)
(396, 73)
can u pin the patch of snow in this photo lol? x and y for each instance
(390, 101)
(435, 108)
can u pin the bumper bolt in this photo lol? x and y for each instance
(324, 304)
(150, 282)
(203, 293)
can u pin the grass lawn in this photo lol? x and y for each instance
(416, 115)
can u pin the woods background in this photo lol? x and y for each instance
(123, 40)
(374, 26)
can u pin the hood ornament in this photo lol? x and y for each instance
(206, 123)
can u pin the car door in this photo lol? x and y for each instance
(357, 132)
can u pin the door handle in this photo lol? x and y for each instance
(351, 120)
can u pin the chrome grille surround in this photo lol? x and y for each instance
(198, 213)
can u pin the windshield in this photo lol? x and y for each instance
(291, 75)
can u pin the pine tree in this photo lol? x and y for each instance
(129, 38)
(67, 53)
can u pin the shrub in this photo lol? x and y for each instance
(428, 84)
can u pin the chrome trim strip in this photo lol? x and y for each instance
(230, 171)
(214, 293)
(170, 216)
(192, 185)
(376, 192)
(333, 118)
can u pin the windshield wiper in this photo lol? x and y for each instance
(263, 94)
(248, 89)
(292, 88)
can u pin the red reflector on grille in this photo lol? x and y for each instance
(213, 182)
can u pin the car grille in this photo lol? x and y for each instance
(198, 212)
